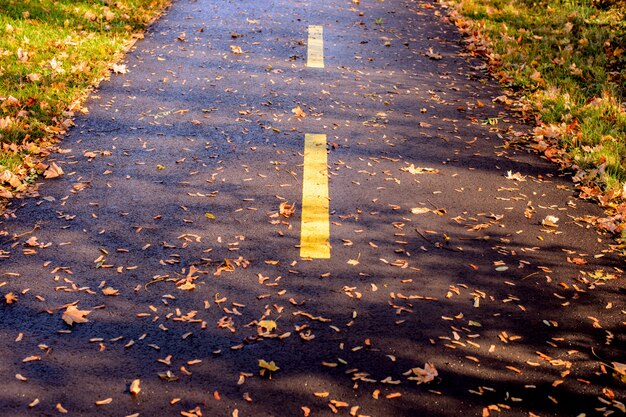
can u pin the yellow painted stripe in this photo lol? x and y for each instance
(315, 58)
(315, 230)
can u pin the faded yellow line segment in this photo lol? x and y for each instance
(315, 58)
(315, 229)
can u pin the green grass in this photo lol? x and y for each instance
(51, 53)
(568, 59)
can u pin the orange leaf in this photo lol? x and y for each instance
(134, 387)
(73, 315)
(53, 171)
(287, 210)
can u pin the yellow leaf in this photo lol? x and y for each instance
(187, 286)
(266, 326)
(270, 366)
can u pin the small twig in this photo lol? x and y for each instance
(438, 245)
(530, 275)
(15, 237)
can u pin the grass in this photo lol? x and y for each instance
(567, 58)
(51, 53)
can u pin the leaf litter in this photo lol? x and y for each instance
(461, 338)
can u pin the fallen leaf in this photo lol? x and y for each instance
(412, 169)
(105, 401)
(433, 55)
(550, 221)
(515, 177)
(287, 210)
(134, 387)
(236, 49)
(423, 375)
(91, 16)
(10, 298)
(420, 210)
(110, 291)
(267, 367)
(53, 171)
(298, 112)
(120, 68)
(73, 315)
(266, 326)
(34, 77)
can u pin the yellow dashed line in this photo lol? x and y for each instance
(315, 230)
(315, 58)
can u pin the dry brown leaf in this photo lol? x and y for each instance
(110, 291)
(423, 375)
(433, 55)
(53, 171)
(298, 112)
(4, 193)
(287, 210)
(120, 68)
(412, 169)
(73, 315)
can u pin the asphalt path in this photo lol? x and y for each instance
(451, 273)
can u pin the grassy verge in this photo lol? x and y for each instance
(567, 60)
(51, 53)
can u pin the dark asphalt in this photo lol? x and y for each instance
(505, 308)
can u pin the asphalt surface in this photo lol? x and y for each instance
(184, 161)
